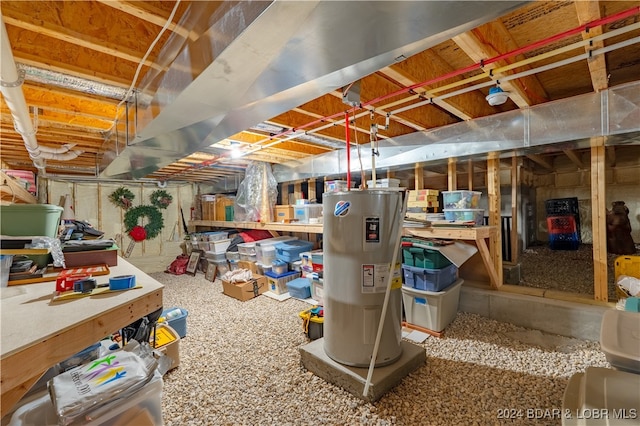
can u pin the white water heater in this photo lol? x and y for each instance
(360, 231)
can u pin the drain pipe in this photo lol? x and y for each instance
(10, 82)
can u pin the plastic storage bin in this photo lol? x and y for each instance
(384, 183)
(144, 407)
(302, 213)
(429, 309)
(279, 267)
(269, 242)
(248, 249)
(620, 339)
(424, 258)
(429, 279)
(219, 246)
(177, 319)
(19, 220)
(466, 215)
(278, 283)
(290, 251)
(456, 200)
(602, 396)
(312, 324)
(300, 288)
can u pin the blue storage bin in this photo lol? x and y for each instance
(289, 251)
(429, 279)
(177, 320)
(299, 288)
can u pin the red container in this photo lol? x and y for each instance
(562, 224)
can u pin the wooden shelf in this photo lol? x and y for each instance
(194, 225)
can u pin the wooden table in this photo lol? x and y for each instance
(492, 262)
(37, 334)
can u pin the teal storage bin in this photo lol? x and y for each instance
(424, 258)
(30, 220)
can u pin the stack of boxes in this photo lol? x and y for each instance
(422, 203)
(563, 222)
(431, 289)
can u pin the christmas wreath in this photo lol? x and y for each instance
(161, 199)
(148, 231)
(122, 197)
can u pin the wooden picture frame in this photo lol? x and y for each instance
(194, 261)
(212, 271)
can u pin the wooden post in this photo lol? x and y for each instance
(470, 174)
(418, 177)
(493, 187)
(599, 219)
(515, 181)
(452, 174)
(311, 184)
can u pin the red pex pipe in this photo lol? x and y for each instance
(346, 127)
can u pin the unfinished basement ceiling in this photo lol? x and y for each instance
(272, 81)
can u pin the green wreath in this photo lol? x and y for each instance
(122, 197)
(153, 228)
(161, 199)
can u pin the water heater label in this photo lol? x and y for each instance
(341, 208)
(375, 277)
(372, 230)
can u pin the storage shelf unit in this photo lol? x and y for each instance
(197, 225)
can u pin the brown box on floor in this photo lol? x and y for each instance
(245, 290)
(107, 257)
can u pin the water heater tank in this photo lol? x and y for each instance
(359, 236)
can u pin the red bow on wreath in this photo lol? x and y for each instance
(138, 233)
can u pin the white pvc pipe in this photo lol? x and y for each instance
(10, 86)
(386, 298)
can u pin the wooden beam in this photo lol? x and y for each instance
(515, 183)
(495, 220)
(589, 11)
(452, 181)
(418, 177)
(574, 158)
(490, 40)
(598, 219)
(134, 8)
(539, 160)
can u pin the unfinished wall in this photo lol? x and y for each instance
(622, 183)
(91, 204)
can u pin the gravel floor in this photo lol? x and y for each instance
(564, 270)
(240, 365)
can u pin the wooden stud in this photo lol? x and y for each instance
(598, 219)
(493, 188)
(452, 173)
(470, 174)
(515, 181)
(312, 189)
(418, 177)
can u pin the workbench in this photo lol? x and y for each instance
(491, 259)
(38, 333)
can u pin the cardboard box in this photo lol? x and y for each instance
(245, 290)
(251, 266)
(167, 342)
(283, 213)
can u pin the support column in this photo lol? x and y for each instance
(493, 187)
(452, 174)
(599, 219)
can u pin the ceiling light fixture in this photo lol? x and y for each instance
(235, 150)
(497, 96)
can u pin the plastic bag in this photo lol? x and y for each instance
(257, 194)
(630, 284)
(179, 265)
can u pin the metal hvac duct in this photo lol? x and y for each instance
(248, 61)
(360, 229)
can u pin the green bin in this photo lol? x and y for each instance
(30, 220)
